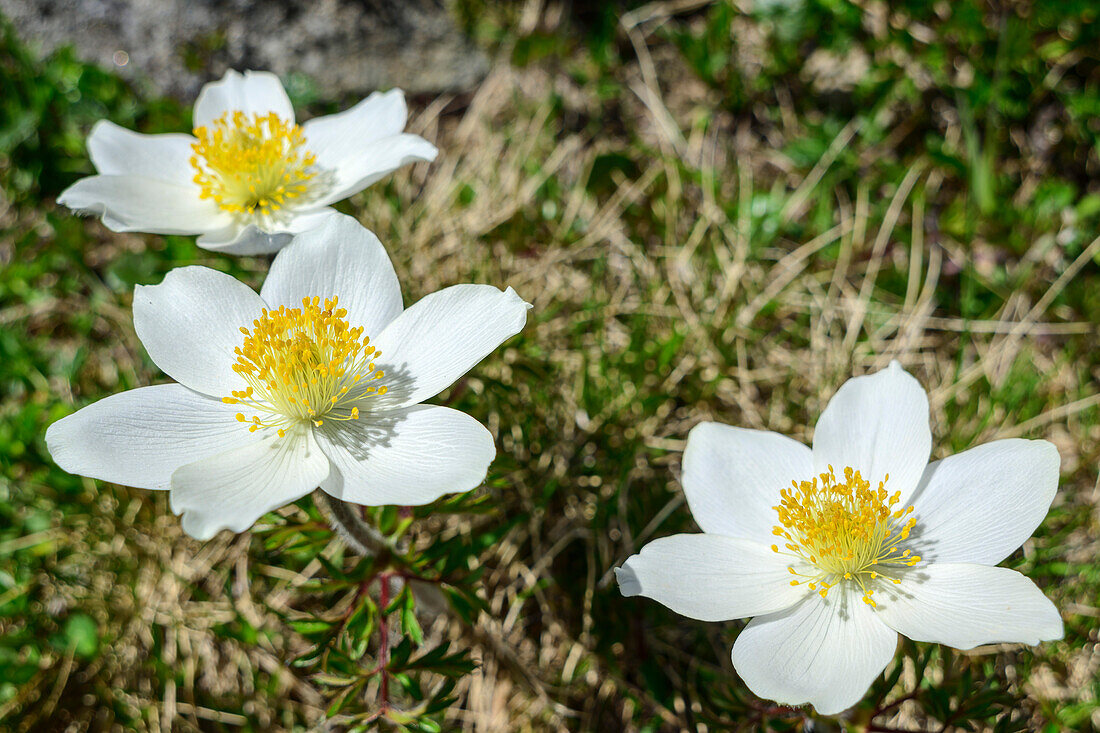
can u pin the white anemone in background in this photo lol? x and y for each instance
(250, 176)
(316, 381)
(837, 549)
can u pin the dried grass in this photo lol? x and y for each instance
(762, 339)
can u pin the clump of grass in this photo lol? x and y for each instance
(698, 243)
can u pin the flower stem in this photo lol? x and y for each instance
(346, 519)
(384, 632)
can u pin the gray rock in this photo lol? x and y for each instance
(345, 46)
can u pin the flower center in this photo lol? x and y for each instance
(304, 364)
(252, 164)
(844, 530)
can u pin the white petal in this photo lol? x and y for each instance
(138, 438)
(233, 489)
(709, 577)
(365, 163)
(308, 220)
(980, 505)
(249, 239)
(382, 114)
(132, 204)
(733, 476)
(342, 258)
(406, 457)
(117, 151)
(253, 92)
(364, 143)
(964, 605)
(824, 651)
(190, 324)
(243, 239)
(442, 336)
(877, 424)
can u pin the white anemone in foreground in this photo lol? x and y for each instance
(837, 549)
(250, 176)
(316, 381)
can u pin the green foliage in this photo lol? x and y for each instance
(366, 645)
(46, 109)
(1012, 76)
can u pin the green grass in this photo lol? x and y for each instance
(710, 226)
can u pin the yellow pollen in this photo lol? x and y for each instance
(844, 531)
(303, 365)
(252, 164)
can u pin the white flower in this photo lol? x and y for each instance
(866, 541)
(316, 381)
(250, 177)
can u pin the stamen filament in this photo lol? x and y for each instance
(304, 364)
(252, 165)
(843, 531)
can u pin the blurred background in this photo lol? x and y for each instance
(720, 211)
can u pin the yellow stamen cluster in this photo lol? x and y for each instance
(304, 364)
(845, 530)
(252, 164)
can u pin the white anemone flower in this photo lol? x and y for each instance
(249, 177)
(837, 549)
(316, 381)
